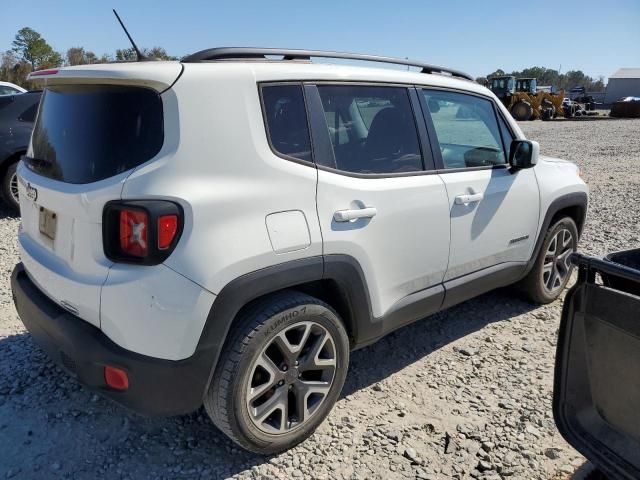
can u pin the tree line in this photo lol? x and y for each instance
(30, 51)
(549, 76)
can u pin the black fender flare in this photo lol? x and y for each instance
(7, 157)
(342, 269)
(575, 199)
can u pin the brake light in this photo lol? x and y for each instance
(167, 229)
(134, 227)
(141, 231)
(49, 71)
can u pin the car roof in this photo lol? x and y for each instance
(13, 85)
(263, 71)
(275, 71)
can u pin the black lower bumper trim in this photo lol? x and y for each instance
(156, 386)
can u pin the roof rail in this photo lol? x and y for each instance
(242, 53)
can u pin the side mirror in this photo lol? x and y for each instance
(523, 154)
(434, 105)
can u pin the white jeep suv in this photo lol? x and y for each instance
(226, 229)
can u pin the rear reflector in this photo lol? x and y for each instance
(167, 229)
(134, 228)
(116, 378)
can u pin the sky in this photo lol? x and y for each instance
(597, 37)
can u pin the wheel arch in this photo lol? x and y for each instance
(573, 205)
(337, 280)
(577, 213)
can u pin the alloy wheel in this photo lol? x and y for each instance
(291, 377)
(557, 267)
(13, 187)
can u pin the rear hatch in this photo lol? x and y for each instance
(597, 379)
(95, 125)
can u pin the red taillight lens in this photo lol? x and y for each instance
(167, 229)
(116, 378)
(134, 228)
(142, 232)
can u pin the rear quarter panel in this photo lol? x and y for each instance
(220, 168)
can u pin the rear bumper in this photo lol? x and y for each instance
(156, 386)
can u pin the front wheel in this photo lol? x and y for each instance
(522, 111)
(552, 268)
(280, 373)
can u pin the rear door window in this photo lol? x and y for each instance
(286, 120)
(372, 129)
(86, 133)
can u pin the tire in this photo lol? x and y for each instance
(9, 187)
(536, 285)
(251, 376)
(522, 111)
(569, 111)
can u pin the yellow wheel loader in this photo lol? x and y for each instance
(522, 99)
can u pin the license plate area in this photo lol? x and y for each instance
(48, 223)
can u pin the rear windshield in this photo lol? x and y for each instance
(85, 133)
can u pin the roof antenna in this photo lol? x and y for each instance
(139, 54)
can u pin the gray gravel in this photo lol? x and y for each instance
(464, 394)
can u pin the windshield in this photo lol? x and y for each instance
(85, 133)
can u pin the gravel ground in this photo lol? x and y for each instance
(464, 394)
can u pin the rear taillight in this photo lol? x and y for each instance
(167, 229)
(141, 231)
(134, 228)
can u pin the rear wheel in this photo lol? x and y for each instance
(9, 187)
(552, 268)
(280, 373)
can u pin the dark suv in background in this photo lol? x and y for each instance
(17, 115)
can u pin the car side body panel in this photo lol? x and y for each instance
(556, 179)
(500, 228)
(414, 258)
(228, 189)
(15, 131)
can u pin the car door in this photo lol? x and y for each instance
(596, 389)
(494, 210)
(379, 200)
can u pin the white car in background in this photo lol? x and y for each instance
(8, 88)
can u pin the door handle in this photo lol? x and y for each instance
(469, 198)
(348, 215)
